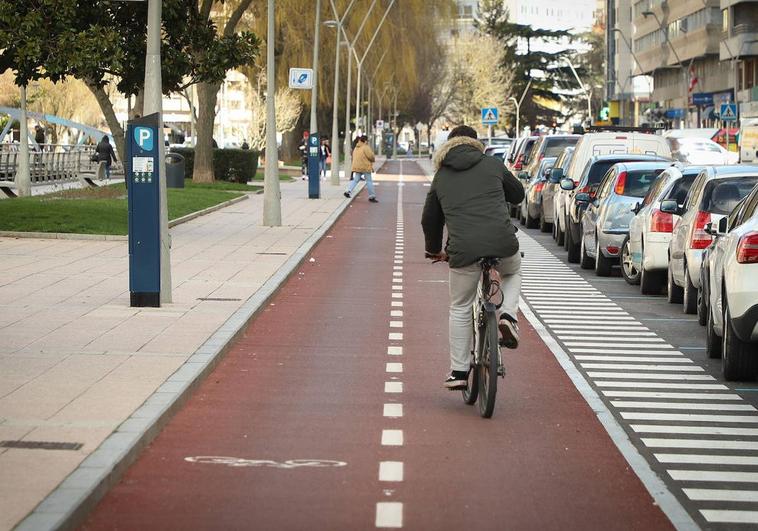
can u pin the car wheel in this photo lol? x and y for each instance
(712, 340)
(740, 361)
(674, 292)
(602, 264)
(531, 223)
(573, 248)
(702, 306)
(585, 261)
(690, 293)
(566, 230)
(628, 270)
(544, 226)
(555, 229)
(650, 282)
(560, 236)
(521, 218)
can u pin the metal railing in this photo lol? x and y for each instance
(52, 163)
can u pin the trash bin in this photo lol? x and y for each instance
(174, 170)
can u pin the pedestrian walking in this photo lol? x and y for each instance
(39, 136)
(363, 165)
(104, 153)
(324, 155)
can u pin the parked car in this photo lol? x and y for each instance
(551, 146)
(733, 291)
(647, 250)
(593, 145)
(530, 209)
(521, 155)
(700, 151)
(605, 221)
(714, 194)
(497, 151)
(589, 179)
(553, 184)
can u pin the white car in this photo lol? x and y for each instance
(646, 253)
(732, 321)
(700, 151)
(714, 194)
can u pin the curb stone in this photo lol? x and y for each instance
(68, 505)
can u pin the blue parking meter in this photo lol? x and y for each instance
(142, 164)
(314, 170)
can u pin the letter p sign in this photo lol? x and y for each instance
(144, 138)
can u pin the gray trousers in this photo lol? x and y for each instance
(463, 284)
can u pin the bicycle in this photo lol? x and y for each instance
(486, 359)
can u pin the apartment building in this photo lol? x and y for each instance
(739, 47)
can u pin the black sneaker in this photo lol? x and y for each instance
(373, 199)
(509, 331)
(346, 194)
(457, 381)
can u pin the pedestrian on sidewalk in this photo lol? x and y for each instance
(324, 155)
(470, 195)
(104, 153)
(363, 166)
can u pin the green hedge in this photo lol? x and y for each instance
(234, 165)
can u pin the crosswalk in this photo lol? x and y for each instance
(697, 434)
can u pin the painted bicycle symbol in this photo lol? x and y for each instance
(240, 462)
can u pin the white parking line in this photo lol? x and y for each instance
(670, 359)
(613, 339)
(693, 430)
(650, 376)
(640, 367)
(722, 495)
(610, 344)
(701, 444)
(713, 475)
(682, 405)
(637, 351)
(689, 417)
(662, 385)
(705, 459)
(671, 395)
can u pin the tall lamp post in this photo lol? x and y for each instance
(371, 82)
(518, 107)
(272, 208)
(23, 177)
(686, 103)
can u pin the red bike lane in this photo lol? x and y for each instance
(329, 413)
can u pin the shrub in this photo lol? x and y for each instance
(235, 165)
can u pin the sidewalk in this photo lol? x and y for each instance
(76, 361)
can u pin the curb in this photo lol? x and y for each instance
(68, 505)
(116, 237)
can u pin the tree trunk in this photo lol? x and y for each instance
(110, 118)
(139, 103)
(206, 103)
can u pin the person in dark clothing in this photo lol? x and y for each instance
(39, 136)
(104, 152)
(470, 195)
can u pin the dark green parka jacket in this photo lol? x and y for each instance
(469, 194)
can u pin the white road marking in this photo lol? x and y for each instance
(392, 437)
(634, 333)
(389, 515)
(722, 495)
(682, 405)
(397, 280)
(394, 411)
(397, 274)
(396, 324)
(713, 475)
(391, 471)
(397, 261)
(635, 351)
(647, 376)
(397, 288)
(689, 417)
(397, 295)
(671, 395)
(393, 387)
(703, 459)
(396, 313)
(611, 344)
(663, 385)
(723, 516)
(701, 444)
(397, 268)
(395, 336)
(640, 367)
(612, 339)
(693, 430)
(394, 367)
(395, 351)
(670, 359)
(397, 304)
(557, 318)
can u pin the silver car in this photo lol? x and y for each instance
(714, 194)
(531, 206)
(605, 222)
(550, 192)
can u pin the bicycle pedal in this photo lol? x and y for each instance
(501, 371)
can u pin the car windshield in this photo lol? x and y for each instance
(681, 188)
(555, 146)
(638, 182)
(722, 195)
(598, 170)
(530, 143)
(695, 147)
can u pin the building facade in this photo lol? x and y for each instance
(739, 47)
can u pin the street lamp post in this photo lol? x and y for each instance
(369, 125)
(23, 178)
(395, 130)
(685, 103)
(518, 113)
(272, 208)
(584, 89)
(154, 104)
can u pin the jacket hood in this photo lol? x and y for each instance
(459, 153)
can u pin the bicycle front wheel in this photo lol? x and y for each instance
(489, 355)
(472, 390)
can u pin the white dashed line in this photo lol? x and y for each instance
(392, 437)
(395, 336)
(395, 351)
(391, 471)
(389, 515)
(394, 411)
(394, 367)
(393, 387)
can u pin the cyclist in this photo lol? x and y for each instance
(469, 194)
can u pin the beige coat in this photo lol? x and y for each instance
(363, 159)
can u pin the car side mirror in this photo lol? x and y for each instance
(524, 176)
(547, 173)
(709, 229)
(723, 226)
(567, 184)
(637, 208)
(583, 197)
(669, 206)
(557, 174)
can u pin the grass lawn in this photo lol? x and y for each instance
(222, 185)
(96, 210)
(259, 176)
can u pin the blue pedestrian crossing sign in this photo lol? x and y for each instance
(489, 115)
(728, 112)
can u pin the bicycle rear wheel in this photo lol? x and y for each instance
(487, 368)
(472, 391)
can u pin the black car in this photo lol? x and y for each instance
(593, 173)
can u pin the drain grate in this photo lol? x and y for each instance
(41, 445)
(217, 299)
